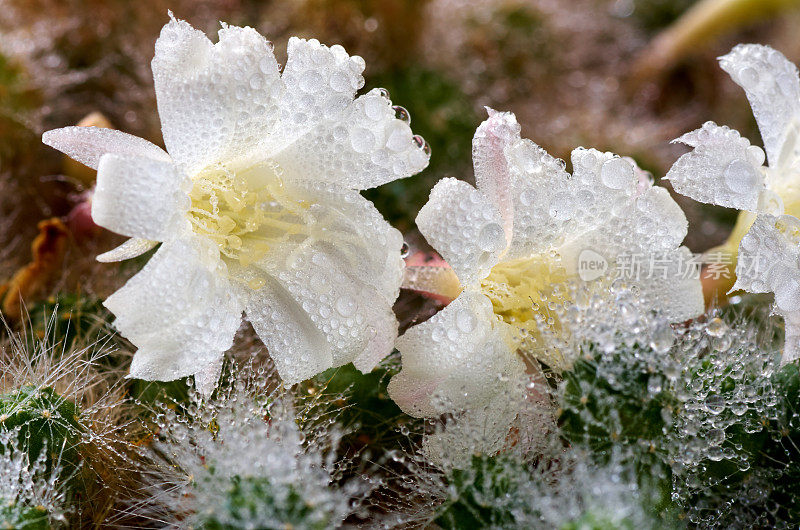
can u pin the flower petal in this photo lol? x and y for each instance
(216, 101)
(356, 320)
(320, 84)
(88, 144)
(492, 175)
(132, 248)
(723, 168)
(178, 310)
(455, 360)
(768, 262)
(139, 197)
(352, 229)
(362, 147)
(464, 227)
(669, 284)
(298, 349)
(772, 86)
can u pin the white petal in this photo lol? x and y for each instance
(298, 349)
(768, 262)
(543, 199)
(179, 311)
(88, 144)
(723, 168)
(464, 227)
(671, 285)
(773, 88)
(205, 379)
(492, 175)
(363, 147)
(320, 84)
(457, 359)
(356, 320)
(354, 231)
(219, 101)
(139, 197)
(132, 248)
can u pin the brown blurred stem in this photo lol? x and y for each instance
(702, 23)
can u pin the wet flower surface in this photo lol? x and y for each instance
(516, 239)
(255, 203)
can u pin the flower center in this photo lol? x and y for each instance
(526, 293)
(245, 212)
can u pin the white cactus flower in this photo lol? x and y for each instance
(724, 169)
(256, 204)
(522, 231)
(769, 262)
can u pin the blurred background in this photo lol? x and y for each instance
(625, 76)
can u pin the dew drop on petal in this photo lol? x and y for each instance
(740, 176)
(616, 173)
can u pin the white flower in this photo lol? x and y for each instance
(769, 261)
(724, 169)
(256, 204)
(521, 232)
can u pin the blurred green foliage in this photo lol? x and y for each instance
(13, 515)
(654, 15)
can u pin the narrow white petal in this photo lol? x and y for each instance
(132, 248)
(455, 360)
(364, 146)
(464, 227)
(723, 168)
(219, 101)
(88, 144)
(139, 197)
(773, 88)
(492, 175)
(178, 311)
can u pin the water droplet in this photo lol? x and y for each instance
(466, 321)
(617, 174)
(402, 114)
(740, 177)
(716, 327)
(346, 306)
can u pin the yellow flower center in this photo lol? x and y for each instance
(525, 293)
(245, 212)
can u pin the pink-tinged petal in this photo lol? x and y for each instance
(88, 144)
(492, 174)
